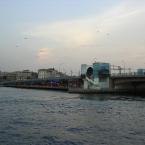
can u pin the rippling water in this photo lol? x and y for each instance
(36, 117)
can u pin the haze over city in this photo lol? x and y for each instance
(64, 34)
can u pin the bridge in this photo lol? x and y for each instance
(128, 82)
(51, 83)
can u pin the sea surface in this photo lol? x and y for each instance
(37, 117)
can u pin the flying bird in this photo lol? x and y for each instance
(17, 45)
(26, 38)
(107, 34)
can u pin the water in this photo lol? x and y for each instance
(36, 117)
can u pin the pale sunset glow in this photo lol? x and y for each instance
(72, 72)
(43, 53)
(109, 32)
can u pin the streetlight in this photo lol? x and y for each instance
(60, 67)
(71, 72)
(123, 65)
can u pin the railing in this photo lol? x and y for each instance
(132, 74)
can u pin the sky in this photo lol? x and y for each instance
(64, 34)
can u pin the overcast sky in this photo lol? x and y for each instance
(66, 33)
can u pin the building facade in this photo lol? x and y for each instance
(49, 73)
(140, 71)
(7, 76)
(26, 75)
(96, 76)
(18, 75)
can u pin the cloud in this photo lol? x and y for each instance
(65, 33)
(87, 31)
(114, 35)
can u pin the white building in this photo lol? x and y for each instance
(49, 73)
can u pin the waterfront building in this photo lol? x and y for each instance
(49, 73)
(140, 71)
(7, 76)
(18, 75)
(26, 75)
(96, 76)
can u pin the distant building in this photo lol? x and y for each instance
(7, 76)
(26, 75)
(49, 73)
(18, 75)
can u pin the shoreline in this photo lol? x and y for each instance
(84, 91)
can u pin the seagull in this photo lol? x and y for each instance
(26, 38)
(107, 34)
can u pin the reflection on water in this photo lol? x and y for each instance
(34, 117)
(105, 97)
